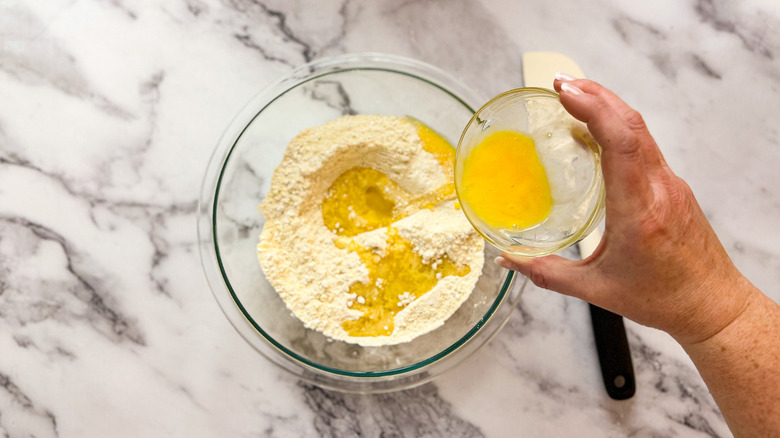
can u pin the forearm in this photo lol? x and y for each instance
(741, 367)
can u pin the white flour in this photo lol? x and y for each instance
(297, 251)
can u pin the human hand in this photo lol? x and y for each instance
(659, 262)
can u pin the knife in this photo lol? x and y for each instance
(617, 370)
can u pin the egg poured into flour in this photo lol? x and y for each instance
(363, 240)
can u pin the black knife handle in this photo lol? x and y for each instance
(614, 354)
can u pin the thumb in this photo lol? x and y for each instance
(569, 277)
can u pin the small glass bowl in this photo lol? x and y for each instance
(569, 155)
(238, 178)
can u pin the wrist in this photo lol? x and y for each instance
(725, 308)
(724, 300)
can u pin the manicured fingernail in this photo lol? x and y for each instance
(504, 263)
(565, 77)
(570, 89)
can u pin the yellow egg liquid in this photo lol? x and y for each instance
(396, 278)
(363, 199)
(359, 200)
(504, 182)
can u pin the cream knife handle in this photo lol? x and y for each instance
(589, 243)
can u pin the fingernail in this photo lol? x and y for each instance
(504, 263)
(561, 76)
(570, 89)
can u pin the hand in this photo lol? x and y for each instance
(659, 262)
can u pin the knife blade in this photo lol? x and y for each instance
(612, 347)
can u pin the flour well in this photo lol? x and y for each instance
(349, 272)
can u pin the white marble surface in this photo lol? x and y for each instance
(109, 110)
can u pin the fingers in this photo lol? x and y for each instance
(629, 151)
(634, 122)
(554, 273)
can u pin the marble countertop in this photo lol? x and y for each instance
(110, 109)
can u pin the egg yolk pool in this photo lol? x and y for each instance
(505, 183)
(360, 200)
(363, 199)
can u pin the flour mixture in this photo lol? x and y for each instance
(363, 239)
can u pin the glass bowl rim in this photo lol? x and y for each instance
(598, 182)
(208, 201)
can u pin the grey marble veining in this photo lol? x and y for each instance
(110, 109)
(415, 412)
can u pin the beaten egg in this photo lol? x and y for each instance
(505, 183)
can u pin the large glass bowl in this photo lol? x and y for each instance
(229, 222)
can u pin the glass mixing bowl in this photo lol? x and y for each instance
(229, 223)
(571, 159)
